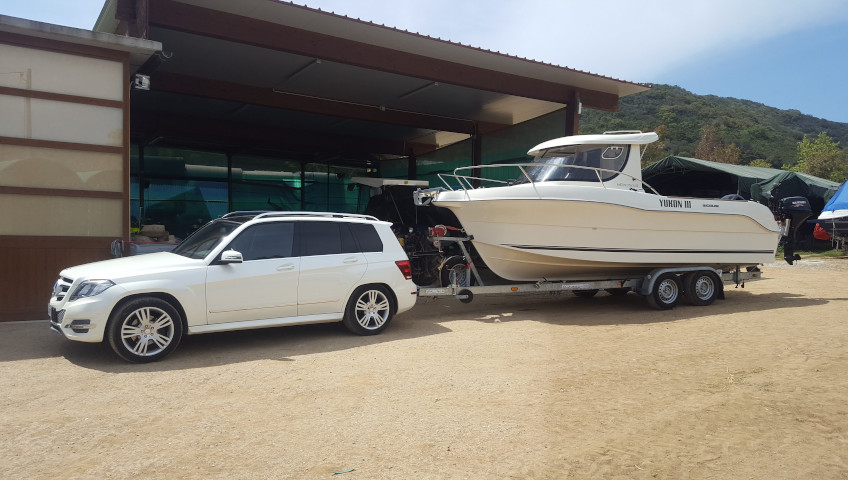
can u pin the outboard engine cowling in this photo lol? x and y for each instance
(792, 213)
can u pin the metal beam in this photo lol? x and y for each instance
(215, 134)
(212, 23)
(246, 94)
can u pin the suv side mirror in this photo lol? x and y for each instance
(231, 256)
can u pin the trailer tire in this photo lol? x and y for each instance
(701, 288)
(666, 292)
(465, 296)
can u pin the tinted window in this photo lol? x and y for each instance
(205, 239)
(611, 158)
(348, 242)
(264, 241)
(319, 238)
(367, 237)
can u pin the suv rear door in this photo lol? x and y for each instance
(331, 265)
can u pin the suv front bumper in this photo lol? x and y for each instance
(85, 319)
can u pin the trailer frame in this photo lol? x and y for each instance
(657, 285)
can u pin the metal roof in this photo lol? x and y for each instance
(283, 76)
(139, 49)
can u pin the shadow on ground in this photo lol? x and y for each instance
(34, 340)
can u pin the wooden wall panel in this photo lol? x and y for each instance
(29, 266)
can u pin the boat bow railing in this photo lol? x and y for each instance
(466, 182)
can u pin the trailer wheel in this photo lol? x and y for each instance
(585, 293)
(465, 296)
(666, 292)
(701, 288)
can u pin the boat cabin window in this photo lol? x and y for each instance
(566, 164)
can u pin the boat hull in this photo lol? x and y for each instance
(834, 222)
(528, 233)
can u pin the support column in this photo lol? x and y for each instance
(476, 155)
(303, 186)
(412, 167)
(230, 182)
(572, 114)
(141, 186)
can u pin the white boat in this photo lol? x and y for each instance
(581, 211)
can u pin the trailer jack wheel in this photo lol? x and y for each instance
(465, 296)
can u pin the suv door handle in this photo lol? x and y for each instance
(351, 260)
(286, 268)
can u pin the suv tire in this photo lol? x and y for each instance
(144, 330)
(369, 310)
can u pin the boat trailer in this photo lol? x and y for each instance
(663, 288)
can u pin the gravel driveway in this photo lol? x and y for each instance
(753, 386)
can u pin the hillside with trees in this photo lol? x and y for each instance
(728, 130)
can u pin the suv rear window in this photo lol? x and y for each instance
(330, 238)
(367, 237)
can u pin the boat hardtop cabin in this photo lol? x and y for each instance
(613, 158)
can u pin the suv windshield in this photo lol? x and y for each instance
(611, 158)
(205, 239)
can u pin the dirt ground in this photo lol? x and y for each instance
(753, 387)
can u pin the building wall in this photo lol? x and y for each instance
(64, 156)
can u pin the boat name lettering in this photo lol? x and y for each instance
(664, 202)
(712, 205)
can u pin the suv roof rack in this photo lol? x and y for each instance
(244, 213)
(270, 213)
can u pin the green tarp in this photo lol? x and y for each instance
(682, 176)
(691, 177)
(792, 184)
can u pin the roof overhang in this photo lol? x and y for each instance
(139, 49)
(266, 65)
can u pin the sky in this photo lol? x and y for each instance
(787, 54)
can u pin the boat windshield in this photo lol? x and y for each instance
(205, 239)
(611, 158)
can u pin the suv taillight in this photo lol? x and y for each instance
(405, 269)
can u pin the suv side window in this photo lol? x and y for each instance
(367, 237)
(319, 238)
(264, 241)
(330, 238)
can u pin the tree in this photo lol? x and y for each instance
(760, 163)
(711, 148)
(654, 152)
(821, 157)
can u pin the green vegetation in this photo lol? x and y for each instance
(821, 157)
(811, 254)
(728, 130)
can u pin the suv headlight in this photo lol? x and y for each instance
(90, 288)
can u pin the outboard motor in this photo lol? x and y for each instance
(792, 212)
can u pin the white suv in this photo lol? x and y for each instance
(244, 270)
